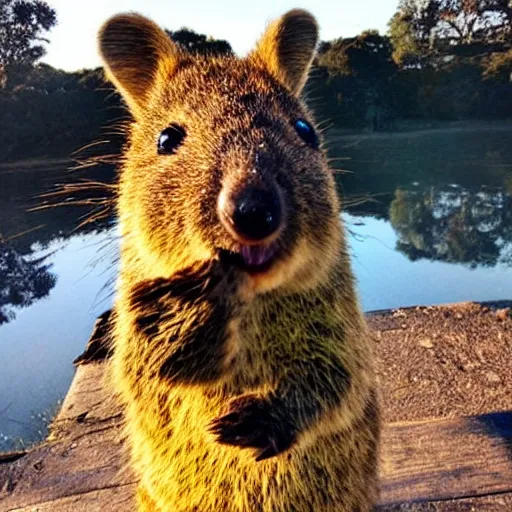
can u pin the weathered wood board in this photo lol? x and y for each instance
(447, 458)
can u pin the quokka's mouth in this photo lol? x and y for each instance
(253, 259)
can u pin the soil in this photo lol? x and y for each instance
(444, 362)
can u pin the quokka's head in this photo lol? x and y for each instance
(223, 157)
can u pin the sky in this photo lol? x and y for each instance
(73, 41)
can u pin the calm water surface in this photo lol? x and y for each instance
(429, 217)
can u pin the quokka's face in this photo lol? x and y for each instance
(224, 159)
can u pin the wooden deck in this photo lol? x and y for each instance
(450, 464)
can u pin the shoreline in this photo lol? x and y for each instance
(405, 127)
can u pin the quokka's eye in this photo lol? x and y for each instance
(307, 133)
(170, 139)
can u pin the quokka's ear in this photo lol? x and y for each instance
(135, 51)
(287, 48)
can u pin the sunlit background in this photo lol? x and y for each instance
(73, 40)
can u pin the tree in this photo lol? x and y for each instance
(50, 113)
(200, 43)
(459, 55)
(498, 67)
(367, 56)
(359, 72)
(23, 25)
(436, 31)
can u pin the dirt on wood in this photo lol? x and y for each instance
(444, 362)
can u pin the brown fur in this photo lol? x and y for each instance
(243, 392)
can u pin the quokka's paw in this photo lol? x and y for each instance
(252, 421)
(209, 280)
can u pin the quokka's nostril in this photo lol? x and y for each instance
(257, 214)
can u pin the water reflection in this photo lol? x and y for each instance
(24, 276)
(23, 280)
(455, 225)
(446, 193)
(56, 275)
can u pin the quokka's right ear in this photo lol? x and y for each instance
(287, 48)
(135, 52)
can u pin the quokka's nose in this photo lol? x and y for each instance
(254, 214)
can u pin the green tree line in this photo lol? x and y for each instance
(440, 60)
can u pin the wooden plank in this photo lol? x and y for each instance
(90, 399)
(83, 453)
(494, 503)
(436, 459)
(90, 461)
(116, 499)
(447, 458)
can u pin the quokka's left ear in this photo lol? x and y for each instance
(136, 52)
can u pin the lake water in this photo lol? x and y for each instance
(429, 215)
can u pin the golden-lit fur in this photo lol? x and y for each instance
(290, 343)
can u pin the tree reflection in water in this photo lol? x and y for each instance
(454, 224)
(24, 279)
(25, 234)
